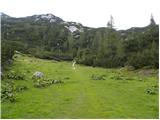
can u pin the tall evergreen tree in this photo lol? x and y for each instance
(152, 21)
(111, 22)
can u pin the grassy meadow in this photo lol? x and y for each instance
(121, 94)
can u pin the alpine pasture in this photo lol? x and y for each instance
(86, 92)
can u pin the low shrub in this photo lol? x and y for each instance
(39, 84)
(28, 71)
(9, 89)
(117, 77)
(15, 75)
(153, 90)
(121, 77)
(43, 82)
(8, 92)
(21, 88)
(56, 81)
(67, 77)
(98, 77)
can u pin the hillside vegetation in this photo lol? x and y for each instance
(86, 92)
(49, 37)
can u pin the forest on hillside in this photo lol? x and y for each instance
(104, 47)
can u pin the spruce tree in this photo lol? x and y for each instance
(152, 21)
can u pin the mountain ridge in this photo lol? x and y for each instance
(44, 16)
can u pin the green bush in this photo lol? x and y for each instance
(153, 90)
(8, 92)
(98, 77)
(21, 88)
(44, 82)
(117, 77)
(121, 77)
(15, 75)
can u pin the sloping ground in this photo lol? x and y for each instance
(121, 95)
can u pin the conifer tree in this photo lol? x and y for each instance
(152, 21)
(111, 22)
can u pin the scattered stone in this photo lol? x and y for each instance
(38, 74)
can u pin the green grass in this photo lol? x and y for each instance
(80, 96)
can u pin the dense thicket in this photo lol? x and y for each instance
(105, 47)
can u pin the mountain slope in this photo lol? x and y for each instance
(48, 36)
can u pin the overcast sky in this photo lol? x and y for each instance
(92, 13)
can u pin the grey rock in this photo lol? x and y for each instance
(38, 74)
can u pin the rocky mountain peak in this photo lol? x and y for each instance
(49, 17)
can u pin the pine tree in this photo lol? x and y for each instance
(110, 23)
(152, 21)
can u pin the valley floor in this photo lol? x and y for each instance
(80, 96)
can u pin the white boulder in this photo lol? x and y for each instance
(38, 74)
